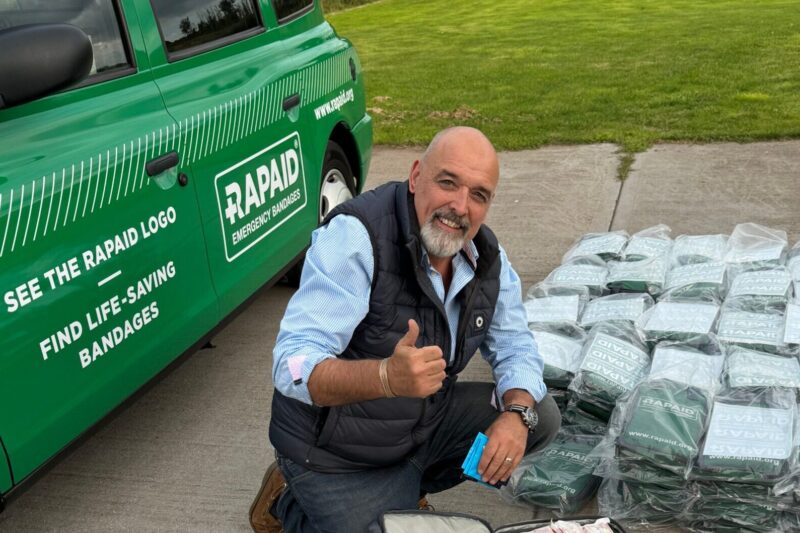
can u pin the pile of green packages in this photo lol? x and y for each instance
(656, 431)
(684, 356)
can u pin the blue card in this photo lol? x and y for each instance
(470, 464)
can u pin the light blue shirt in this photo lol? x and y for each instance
(333, 299)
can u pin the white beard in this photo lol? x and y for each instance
(440, 243)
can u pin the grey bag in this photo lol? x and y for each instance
(414, 521)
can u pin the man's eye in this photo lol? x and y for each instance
(480, 197)
(447, 184)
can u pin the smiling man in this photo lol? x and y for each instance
(401, 286)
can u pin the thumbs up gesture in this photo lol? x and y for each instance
(415, 372)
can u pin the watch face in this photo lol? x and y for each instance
(531, 418)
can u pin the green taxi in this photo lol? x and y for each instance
(162, 161)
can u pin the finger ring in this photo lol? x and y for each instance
(509, 459)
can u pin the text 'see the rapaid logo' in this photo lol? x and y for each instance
(257, 195)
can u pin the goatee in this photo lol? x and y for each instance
(439, 242)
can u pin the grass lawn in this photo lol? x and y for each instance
(335, 5)
(536, 72)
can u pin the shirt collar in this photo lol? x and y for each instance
(469, 250)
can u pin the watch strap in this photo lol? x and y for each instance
(526, 413)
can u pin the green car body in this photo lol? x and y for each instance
(109, 274)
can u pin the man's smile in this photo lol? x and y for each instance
(451, 223)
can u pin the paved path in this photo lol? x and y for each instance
(189, 453)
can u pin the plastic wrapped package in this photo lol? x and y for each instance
(645, 504)
(714, 527)
(789, 485)
(789, 520)
(548, 304)
(724, 526)
(590, 272)
(559, 477)
(701, 281)
(561, 397)
(774, 285)
(752, 246)
(553, 309)
(695, 249)
(663, 424)
(694, 364)
(723, 514)
(679, 320)
(752, 369)
(791, 326)
(753, 323)
(614, 361)
(544, 290)
(718, 491)
(608, 245)
(646, 275)
(625, 306)
(651, 242)
(751, 437)
(581, 421)
(793, 261)
(744, 504)
(626, 466)
(561, 354)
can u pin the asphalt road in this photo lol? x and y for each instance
(190, 452)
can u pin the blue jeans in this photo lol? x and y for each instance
(348, 503)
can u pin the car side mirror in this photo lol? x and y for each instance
(40, 59)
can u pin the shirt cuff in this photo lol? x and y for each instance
(299, 368)
(535, 387)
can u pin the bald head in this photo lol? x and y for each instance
(465, 141)
(453, 186)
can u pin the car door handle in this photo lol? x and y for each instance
(291, 101)
(156, 166)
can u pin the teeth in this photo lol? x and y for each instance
(449, 223)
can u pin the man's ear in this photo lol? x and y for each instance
(412, 177)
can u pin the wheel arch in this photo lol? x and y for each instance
(342, 136)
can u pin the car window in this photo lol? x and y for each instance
(197, 25)
(288, 9)
(99, 19)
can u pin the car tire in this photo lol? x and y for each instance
(337, 185)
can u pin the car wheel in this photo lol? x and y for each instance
(336, 187)
(337, 180)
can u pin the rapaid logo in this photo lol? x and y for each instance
(259, 194)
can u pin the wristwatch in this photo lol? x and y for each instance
(529, 416)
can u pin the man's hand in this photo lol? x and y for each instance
(415, 372)
(508, 436)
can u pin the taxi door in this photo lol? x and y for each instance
(231, 79)
(5, 473)
(103, 271)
